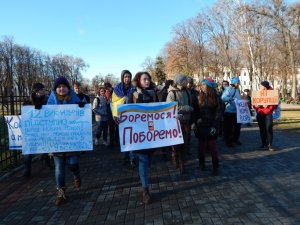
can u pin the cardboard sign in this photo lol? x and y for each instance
(265, 97)
(56, 128)
(14, 132)
(243, 114)
(148, 125)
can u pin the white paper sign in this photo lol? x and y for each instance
(243, 114)
(148, 125)
(56, 128)
(14, 132)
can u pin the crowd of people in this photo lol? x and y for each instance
(204, 108)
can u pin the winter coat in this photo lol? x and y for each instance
(184, 102)
(229, 95)
(100, 108)
(206, 117)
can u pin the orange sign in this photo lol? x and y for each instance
(265, 97)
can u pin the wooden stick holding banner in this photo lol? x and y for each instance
(148, 125)
(243, 114)
(56, 128)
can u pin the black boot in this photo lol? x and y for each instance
(215, 171)
(202, 164)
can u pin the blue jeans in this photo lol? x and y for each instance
(60, 164)
(144, 163)
(102, 127)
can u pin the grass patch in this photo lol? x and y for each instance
(290, 121)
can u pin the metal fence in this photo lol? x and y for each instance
(10, 104)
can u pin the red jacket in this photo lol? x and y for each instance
(264, 111)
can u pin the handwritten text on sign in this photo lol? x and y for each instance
(243, 114)
(265, 97)
(56, 128)
(146, 126)
(14, 132)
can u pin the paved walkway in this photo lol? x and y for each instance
(254, 187)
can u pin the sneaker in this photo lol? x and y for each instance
(60, 198)
(270, 148)
(96, 141)
(105, 143)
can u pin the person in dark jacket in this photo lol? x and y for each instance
(144, 93)
(265, 120)
(83, 97)
(163, 93)
(63, 94)
(207, 116)
(38, 97)
(111, 123)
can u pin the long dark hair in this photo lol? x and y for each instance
(137, 79)
(211, 97)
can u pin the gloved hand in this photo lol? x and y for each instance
(38, 106)
(193, 127)
(81, 104)
(213, 131)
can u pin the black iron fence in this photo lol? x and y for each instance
(10, 104)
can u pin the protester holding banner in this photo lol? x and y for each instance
(232, 129)
(38, 97)
(63, 94)
(265, 120)
(144, 93)
(178, 93)
(206, 117)
(120, 96)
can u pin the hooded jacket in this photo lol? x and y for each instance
(229, 95)
(184, 101)
(120, 94)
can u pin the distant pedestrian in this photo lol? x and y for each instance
(101, 116)
(265, 120)
(63, 94)
(232, 129)
(144, 93)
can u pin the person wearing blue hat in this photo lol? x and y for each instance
(232, 129)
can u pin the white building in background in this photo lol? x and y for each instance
(254, 85)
